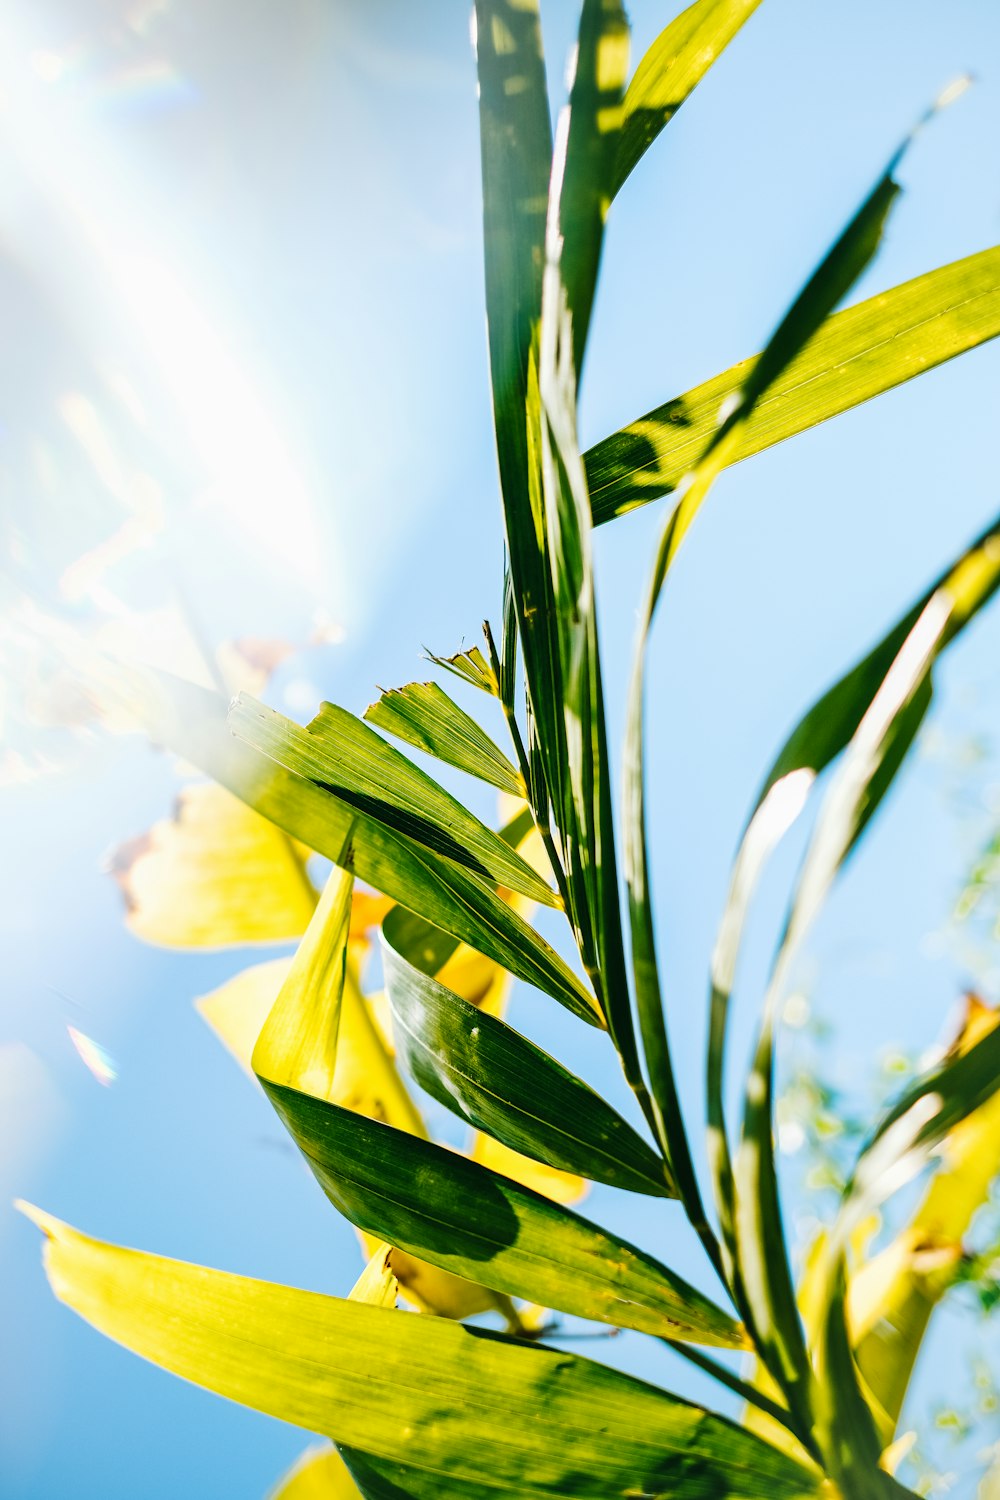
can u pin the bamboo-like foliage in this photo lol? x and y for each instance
(425, 1406)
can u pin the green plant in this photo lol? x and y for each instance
(427, 1406)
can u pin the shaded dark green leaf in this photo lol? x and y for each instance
(474, 1223)
(496, 1080)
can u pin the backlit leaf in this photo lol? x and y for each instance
(495, 1079)
(424, 716)
(320, 1474)
(193, 722)
(341, 755)
(434, 1204)
(892, 1296)
(214, 875)
(928, 1110)
(676, 62)
(857, 354)
(472, 667)
(778, 1334)
(476, 1413)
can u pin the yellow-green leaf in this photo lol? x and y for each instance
(857, 354)
(319, 1474)
(214, 875)
(475, 1415)
(675, 63)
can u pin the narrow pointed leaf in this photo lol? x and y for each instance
(470, 666)
(572, 732)
(939, 1101)
(297, 1045)
(495, 1079)
(487, 1228)
(858, 354)
(580, 188)
(845, 1427)
(378, 1283)
(193, 722)
(819, 737)
(831, 280)
(516, 144)
(431, 1203)
(343, 756)
(891, 1298)
(920, 1120)
(759, 1235)
(672, 67)
(477, 1411)
(423, 715)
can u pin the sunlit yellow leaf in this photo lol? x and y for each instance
(892, 1296)
(561, 1187)
(366, 1080)
(319, 1474)
(432, 1290)
(297, 1045)
(377, 1283)
(214, 875)
(472, 1417)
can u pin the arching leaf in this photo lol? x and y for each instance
(472, 1410)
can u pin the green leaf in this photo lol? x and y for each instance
(486, 1228)
(826, 729)
(829, 283)
(470, 666)
(423, 715)
(495, 1079)
(428, 1201)
(893, 1295)
(193, 723)
(819, 737)
(341, 755)
(932, 1107)
(479, 1412)
(672, 67)
(580, 189)
(571, 731)
(759, 1243)
(516, 143)
(858, 354)
(845, 1428)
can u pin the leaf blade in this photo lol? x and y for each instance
(193, 722)
(423, 1391)
(498, 1081)
(669, 71)
(344, 756)
(423, 715)
(860, 353)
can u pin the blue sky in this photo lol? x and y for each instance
(262, 225)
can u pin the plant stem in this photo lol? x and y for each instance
(522, 763)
